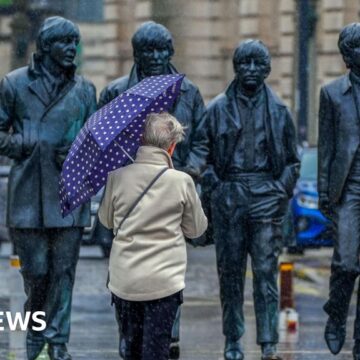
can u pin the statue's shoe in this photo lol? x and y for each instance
(356, 350)
(268, 351)
(58, 352)
(233, 350)
(174, 351)
(356, 355)
(335, 333)
(34, 346)
(122, 347)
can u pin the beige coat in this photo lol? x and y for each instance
(148, 255)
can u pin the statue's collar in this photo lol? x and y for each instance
(353, 79)
(35, 67)
(230, 93)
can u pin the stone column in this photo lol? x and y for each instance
(119, 25)
(198, 30)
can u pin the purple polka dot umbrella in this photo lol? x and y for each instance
(111, 136)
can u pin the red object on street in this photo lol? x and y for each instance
(286, 286)
(292, 325)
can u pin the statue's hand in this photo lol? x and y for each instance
(61, 154)
(16, 146)
(200, 241)
(28, 149)
(324, 206)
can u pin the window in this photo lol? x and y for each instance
(84, 10)
(77, 10)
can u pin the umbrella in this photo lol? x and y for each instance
(111, 136)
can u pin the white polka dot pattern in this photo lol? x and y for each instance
(110, 136)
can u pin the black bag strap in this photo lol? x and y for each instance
(132, 207)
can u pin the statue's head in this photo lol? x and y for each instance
(349, 45)
(252, 64)
(57, 39)
(152, 48)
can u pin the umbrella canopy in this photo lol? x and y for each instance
(111, 136)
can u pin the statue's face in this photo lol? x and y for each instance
(63, 51)
(354, 58)
(153, 60)
(251, 71)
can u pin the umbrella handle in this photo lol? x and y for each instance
(124, 151)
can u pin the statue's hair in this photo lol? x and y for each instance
(152, 33)
(251, 47)
(55, 28)
(162, 130)
(349, 38)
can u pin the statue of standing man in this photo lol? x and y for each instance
(153, 49)
(339, 187)
(42, 108)
(253, 166)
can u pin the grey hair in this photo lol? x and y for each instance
(162, 130)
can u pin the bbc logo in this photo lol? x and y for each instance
(21, 321)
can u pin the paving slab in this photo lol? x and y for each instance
(94, 330)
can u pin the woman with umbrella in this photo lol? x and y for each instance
(151, 208)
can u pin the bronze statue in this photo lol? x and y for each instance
(153, 49)
(42, 108)
(252, 170)
(339, 186)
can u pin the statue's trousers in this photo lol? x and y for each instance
(247, 214)
(48, 261)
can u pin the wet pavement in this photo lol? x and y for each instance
(94, 333)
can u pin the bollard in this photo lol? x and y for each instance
(15, 261)
(286, 285)
(288, 318)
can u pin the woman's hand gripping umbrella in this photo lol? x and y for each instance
(111, 136)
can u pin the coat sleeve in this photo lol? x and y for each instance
(106, 209)
(212, 115)
(209, 179)
(196, 160)
(11, 145)
(326, 143)
(194, 221)
(291, 171)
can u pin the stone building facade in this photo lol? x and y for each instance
(205, 34)
(92, 49)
